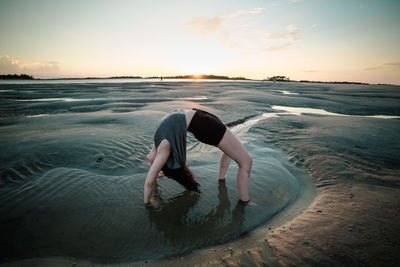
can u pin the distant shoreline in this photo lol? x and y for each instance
(16, 77)
(187, 77)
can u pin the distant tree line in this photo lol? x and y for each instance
(287, 79)
(126, 77)
(190, 76)
(16, 77)
(343, 82)
(278, 79)
(205, 76)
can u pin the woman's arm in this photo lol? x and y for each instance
(152, 155)
(159, 161)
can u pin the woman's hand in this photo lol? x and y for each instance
(153, 203)
(160, 175)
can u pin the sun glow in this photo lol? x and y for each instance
(198, 76)
(204, 61)
(197, 68)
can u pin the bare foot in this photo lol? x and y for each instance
(251, 203)
(248, 203)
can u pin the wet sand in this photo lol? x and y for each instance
(350, 217)
(354, 219)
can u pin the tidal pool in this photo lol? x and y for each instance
(73, 166)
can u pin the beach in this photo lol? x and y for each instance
(325, 179)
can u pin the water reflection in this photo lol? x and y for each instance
(300, 111)
(72, 172)
(180, 229)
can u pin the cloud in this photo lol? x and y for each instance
(203, 27)
(278, 41)
(9, 65)
(278, 47)
(236, 30)
(225, 39)
(394, 64)
(372, 68)
(251, 11)
(47, 69)
(294, 1)
(224, 27)
(293, 34)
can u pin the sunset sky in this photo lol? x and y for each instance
(328, 40)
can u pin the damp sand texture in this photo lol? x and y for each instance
(73, 162)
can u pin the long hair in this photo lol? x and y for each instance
(183, 176)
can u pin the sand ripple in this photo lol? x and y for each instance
(72, 178)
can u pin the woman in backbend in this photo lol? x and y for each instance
(168, 154)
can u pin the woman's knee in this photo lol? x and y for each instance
(249, 162)
(246, 163)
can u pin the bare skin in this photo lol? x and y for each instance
(157, 160)
(223, 166)
(234, 149)
(231, 147)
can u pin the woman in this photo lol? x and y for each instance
(168, 155)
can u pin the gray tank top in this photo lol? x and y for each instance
(173, 128)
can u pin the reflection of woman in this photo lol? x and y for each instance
(168, 155)
(181, 229)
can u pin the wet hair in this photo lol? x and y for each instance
(183, 176)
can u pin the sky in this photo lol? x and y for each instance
(325, 40)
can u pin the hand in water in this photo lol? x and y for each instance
(153, 203)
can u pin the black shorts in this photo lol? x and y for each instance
(207, 128)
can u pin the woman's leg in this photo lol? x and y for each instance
(223, 166)
(234, 149)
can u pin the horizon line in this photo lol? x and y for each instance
(187, 77)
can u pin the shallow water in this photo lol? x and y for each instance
(73, 164)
